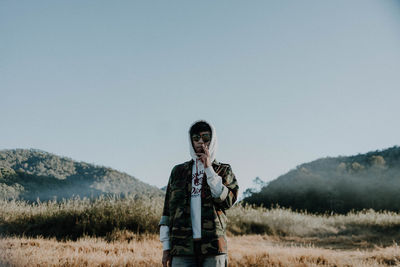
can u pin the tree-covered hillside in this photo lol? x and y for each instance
(340, 184)
(30, 174)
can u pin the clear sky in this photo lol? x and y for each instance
(118, 83)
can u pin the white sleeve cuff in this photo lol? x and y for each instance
(166, 245)
(209, 172)
(164, 237)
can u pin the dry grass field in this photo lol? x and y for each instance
(145, 250)
(117, 231)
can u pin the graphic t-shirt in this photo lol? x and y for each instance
(195, 201)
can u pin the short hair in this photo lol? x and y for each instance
(199, 127)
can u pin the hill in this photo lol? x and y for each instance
(30, 174)
(338, 184)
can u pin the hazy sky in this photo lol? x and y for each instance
(118, 83)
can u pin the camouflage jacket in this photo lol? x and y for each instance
(176, 213)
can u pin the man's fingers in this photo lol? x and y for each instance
(166, 262)
(206, 149)
(166, 259)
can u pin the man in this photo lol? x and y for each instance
(193, 223)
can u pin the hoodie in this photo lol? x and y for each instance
(199, 175)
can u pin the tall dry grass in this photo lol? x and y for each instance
(74, 218)
(285, 222)
(145, 250)
(114, 231)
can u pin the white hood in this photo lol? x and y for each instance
(213, 144)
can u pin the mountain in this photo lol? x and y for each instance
(338, 184)
(31, 173)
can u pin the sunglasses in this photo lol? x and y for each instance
(206, 137)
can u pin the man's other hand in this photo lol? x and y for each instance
(166, 258)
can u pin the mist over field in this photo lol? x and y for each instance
(30, 174)
(333, 184)
(341, 184)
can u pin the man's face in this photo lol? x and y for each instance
(198, 140)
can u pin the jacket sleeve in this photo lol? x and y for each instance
(164, 222)
(230, 191)
(165, 214)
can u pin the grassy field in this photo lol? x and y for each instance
(145, 250)
(113, 231)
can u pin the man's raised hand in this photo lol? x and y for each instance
(205, 156)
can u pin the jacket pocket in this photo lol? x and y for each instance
(220, 221)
